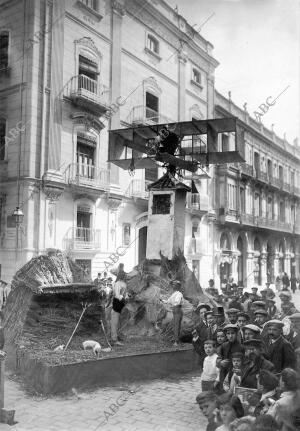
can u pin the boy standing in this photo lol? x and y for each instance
(210, 374)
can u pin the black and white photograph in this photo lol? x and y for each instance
(149, 215)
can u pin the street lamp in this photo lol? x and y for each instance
(18, 217)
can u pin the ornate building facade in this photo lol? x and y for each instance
(69, 72)
(257, 229)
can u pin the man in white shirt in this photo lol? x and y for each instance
(176, 300)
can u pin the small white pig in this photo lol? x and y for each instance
(94, 345)
(59, 348)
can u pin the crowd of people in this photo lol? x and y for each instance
(249, 354)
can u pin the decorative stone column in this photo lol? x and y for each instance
(53, 187)
(182, 59)
(287, 263)
(276, 264)
(250, 269)
(263, 260)
(210, 95)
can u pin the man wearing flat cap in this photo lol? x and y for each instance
(254, 362)
(261, 316)
(250, 331)
(278, 350)
(294, 335)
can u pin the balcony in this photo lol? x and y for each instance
(297, 191)
(88, 94)
(197, 203)
(82, 238)
(266, 223)
(137, 189)
(246, 169)
(141, 115)
(88, 176)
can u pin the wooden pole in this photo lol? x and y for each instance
(2, 368)
(83, 311)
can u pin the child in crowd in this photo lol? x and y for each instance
(230, 408)
(210, 374)
(221, 338)
(233, 378)
(267, 384)
(207, 402)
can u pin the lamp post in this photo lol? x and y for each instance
(18, 218)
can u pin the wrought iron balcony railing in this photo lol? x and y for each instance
(197, 201)
(85, 175)
(82, 238)
(88, 93)
(143, 115)
(137, 189)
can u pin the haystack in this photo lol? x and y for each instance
(43, 281)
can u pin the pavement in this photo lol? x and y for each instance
(166, 405)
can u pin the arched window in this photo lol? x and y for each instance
(2, 138)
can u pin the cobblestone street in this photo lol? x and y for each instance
(157, 405)
(167, 404)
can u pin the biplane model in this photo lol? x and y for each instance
(183, 146)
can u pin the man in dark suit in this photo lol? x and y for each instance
(232, 345)
(201, 331)
(254, 363)
(278, 350)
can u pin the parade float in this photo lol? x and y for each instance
(53, 303)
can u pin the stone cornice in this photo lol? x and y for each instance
(275, 147)
(158, 24)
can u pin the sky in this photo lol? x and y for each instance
(257, 43)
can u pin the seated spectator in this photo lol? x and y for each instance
(207, 402)
(230, 408)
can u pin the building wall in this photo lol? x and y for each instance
(263, 218)
(36, 94)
